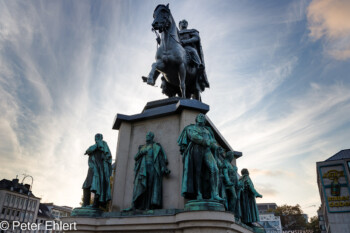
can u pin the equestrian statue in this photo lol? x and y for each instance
(179, 57)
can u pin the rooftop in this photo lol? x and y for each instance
(44, 212)
(15, 186)
(343, 154)
(62, 208)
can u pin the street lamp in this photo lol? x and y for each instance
(29, 192)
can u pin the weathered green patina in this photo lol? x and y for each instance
(219, 157)
(87, 211)
(99, 173)
(197, 144)
(250, 211)
(232, 185)
(97, 180)
(197, 205)
(150, 167)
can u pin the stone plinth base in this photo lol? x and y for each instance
(177, 222)
(166, 119)
(204, 205)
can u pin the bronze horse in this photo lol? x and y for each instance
(180, 75)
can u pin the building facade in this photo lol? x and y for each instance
(59, 212)
(264, 208)
(53, 213)
(17, 203)
(43, 217)
(270, 222)
(333, 183)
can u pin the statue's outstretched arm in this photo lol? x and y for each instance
(91, 149)
(251, 187)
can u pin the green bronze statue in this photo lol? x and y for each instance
(150, 167)
(197, 144)
(99, 173)
(219, 158)
(250, 211)
(232, 185)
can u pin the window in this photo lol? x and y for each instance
(13, 199)
(8, 211)
(17, 202)
(8, 198)
(3, 210)
(22, 200)
(17, 213)
(55, 214)
(349, 165)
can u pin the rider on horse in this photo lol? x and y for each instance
(179, 57)
(190, 40)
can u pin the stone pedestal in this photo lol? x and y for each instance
(166, 118)
(181, 222)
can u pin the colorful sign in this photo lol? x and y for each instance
(335, 187)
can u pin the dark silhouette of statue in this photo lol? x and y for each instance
(179, 58)
(191, 42)
(150, 167)
(196, 144)
(99, 173)
(250, 211)
(232, 185)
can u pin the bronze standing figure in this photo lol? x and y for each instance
(99, 173)
(249, 208)
(197, 144)
(150, 167)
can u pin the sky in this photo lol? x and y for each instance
(278, 72)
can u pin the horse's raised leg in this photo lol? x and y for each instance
(153, 75)
(182, 76)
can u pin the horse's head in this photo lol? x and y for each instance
(161, 18)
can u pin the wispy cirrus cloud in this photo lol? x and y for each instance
(330, 19)
(275, 172)
(40, 74)
(63, 78)
(316, 113)
(305, 130)
(267, 190)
